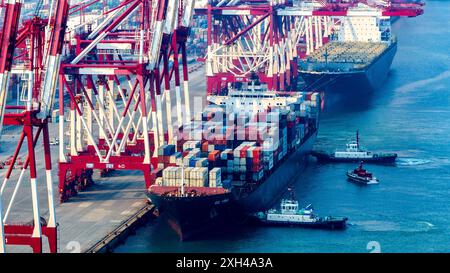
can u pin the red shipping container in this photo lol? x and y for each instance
(166, 159)
(257, 153)
(243, 152)
(257, 168)
(214, 155)
(256, 161)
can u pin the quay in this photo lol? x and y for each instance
(96, 219)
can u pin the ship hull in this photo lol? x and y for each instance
(353, 178)
(341, 85)
(191, 217)
(324, 157)
(325, 224)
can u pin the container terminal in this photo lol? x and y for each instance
(103, 89)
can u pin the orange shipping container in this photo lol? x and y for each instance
(214, 155)
(205, 146)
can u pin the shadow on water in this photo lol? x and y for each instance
(339, 102)
(229, 237)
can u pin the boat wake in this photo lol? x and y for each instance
(374, 225)
(412, 161)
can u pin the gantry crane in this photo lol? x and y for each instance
(34, 49)
(120, 71)
(267, 37)
(120, 83)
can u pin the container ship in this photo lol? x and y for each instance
(237, 157)
(356, 59)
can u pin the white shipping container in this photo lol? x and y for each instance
(218, 181)
(237, 152)
(250, 151)
(192, 173)
(195, 152)
(204, 172)
(211, 148)
(224, 154)
(195, 173)
(215, 173)
(212, 183)
(268, 144)
(249, 143)
(186, 172)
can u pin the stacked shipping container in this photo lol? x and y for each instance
(236, 148)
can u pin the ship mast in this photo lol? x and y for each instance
(182, 179)
(357, 139)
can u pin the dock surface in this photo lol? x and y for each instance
(88, 218)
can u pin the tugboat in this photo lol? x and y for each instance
(360, 175)
(354, 153)
(291, 215)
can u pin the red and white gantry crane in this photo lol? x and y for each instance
(31, 48)
(121, 79)
(266, 37)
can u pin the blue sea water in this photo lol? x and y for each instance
(409, 211)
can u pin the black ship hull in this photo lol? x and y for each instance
(345, 85)
(333, 224)
(377, 158)
(191, 217)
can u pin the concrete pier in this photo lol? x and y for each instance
(97, 218)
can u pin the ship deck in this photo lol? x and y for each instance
(343, 56)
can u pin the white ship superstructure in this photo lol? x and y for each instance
(353, 151)
(255, 98)
(290, 213)
(369, 28)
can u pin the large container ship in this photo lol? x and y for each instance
(237, 157)
(356, 59)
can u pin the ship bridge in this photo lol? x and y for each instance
(251, 99)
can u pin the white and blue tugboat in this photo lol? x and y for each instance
(354, 153)
(290, 215)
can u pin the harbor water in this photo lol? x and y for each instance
(409, 210)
